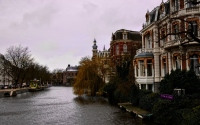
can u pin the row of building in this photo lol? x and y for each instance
(162, 45)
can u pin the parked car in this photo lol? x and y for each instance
(1, 86)
(6, 87)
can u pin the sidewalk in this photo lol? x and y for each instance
(138, 112)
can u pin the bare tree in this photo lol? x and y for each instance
(187, 34)
(57, 76)
(16, 62)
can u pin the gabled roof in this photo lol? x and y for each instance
(154, 15)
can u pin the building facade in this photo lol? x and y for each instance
(164, 47)
(103, 60)
(5, 79)
(70, 74)
(123, 46)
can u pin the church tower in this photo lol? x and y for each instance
(94, 49)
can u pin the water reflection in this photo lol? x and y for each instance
(58, 106)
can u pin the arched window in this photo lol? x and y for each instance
(125, 48)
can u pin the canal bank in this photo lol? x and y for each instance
(136, 111)
(12, 92)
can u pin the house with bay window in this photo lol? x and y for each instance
(164, 47)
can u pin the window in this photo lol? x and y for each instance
(117, 50)
(136, 69)
(125, 48)
(124, 36)
(150, 87)
(164, 67)
(105, 62)
(194, 63)
(148, 42)
(141, 68)
(113, 51)
(143, 86)
(193, 26)
(163, 39)
(189, 4)
(175, 3)
(149, 67)
(176, 30)
(176, 63)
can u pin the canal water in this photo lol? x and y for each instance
(59, 106)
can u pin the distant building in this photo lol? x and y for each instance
(70, 74)
(94, 49)
(57, 78)
(5, 79)
(103, 59)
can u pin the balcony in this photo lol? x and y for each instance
(186, 11)
(144, 50)
(171, 43)
(176, 42)
(192, 9)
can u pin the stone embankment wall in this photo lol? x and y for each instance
(18, 91)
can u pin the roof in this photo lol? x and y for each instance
(131, 35)
(155, 14)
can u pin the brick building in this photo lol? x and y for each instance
(70, 74)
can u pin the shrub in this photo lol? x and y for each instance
(187, 80)
(148, 101)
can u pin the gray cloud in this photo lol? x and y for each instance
(60, 32)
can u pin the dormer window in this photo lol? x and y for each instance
(161, 8)
(124, 36)
(147, 17)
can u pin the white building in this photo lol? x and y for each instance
(160, 53)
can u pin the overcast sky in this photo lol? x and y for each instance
(60, 32)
